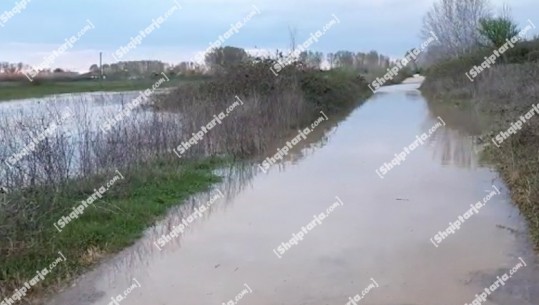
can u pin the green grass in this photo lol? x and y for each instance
(30, 242)
(22, 90)
(109, 225)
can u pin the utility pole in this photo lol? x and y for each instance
(101, 65)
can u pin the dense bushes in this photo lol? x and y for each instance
(332, 90)
(272, 105)
(65, 167)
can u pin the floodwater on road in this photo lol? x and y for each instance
(261, 245)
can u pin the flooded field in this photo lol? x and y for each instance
(390, 236)
(69, 132)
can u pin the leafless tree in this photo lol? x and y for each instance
(455, 23)
(293, 34)
(505, 12)
(312, 60)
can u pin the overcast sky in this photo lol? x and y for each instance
(389, 26)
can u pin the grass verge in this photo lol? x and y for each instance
(502, 94)
(517, 161)
(109, 225)
(37, 89)
(273, 106)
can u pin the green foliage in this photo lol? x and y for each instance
(497, 30)
(326, 90)
(457, 66)
(333, 90)
(109, 225)
(533, 56)
(521, 52)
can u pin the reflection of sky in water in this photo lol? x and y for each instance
(452, 147)
(455, 144)
(97, 106)
(452, 144)
(372, 235)
(21, 118)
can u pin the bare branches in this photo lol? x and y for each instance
(293, 34)
(455, 23)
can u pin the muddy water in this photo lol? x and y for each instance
(381, 233)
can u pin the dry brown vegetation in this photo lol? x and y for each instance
(504, 93)
(272, 106)
(66, 166)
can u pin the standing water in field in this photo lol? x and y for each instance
(329, 227)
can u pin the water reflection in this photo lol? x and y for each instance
(457, 143)
(77, 145)
(316, 140)
(235, 179)
(372, 235)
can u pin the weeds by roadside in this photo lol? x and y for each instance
(66, 168)
(110, 225)
(503, 94)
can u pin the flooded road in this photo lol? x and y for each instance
(379, 237)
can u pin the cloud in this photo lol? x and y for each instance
(388, 26)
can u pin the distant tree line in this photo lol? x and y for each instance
(220, 59)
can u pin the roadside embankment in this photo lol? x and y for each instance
(88, 192)
(507, 96)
